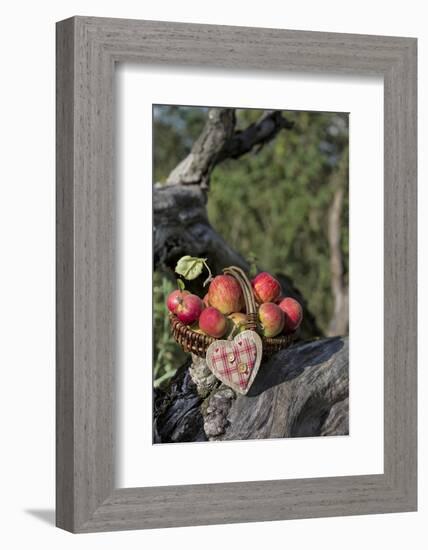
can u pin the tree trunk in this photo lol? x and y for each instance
(300, 392)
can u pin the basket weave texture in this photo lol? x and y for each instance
(197, 343)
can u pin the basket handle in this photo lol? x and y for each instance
(247, 290)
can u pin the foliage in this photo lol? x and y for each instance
(167, 355)
(272, 204)
(190, 268)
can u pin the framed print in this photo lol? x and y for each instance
(236, 274)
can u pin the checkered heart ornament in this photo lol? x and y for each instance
(236, 362)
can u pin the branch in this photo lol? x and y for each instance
(196, 168)
(255, 136)
(218, 142)
(181, 227)
(300, 392)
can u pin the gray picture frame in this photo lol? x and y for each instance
(87, 51)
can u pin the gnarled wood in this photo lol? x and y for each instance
(196, 168)
(219, 141)
(300, 392)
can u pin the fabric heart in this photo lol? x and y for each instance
(236, 362)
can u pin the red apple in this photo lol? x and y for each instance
(175, 298)
(266, 288)
(225, 294)
(293, 314)
(212, 322)
(271, 318)
(189, 309)
(206, 300)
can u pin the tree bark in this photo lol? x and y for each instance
(196, 168)
(300, 392)
(219, 141)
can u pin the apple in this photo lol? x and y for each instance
(271, 318)
(239, 321)
(213, 322)
(225, 294)
(189, 309)
(265, 287)
(175, 298)
(293, 314)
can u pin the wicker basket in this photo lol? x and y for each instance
(198, 343)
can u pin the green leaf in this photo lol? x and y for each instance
(189, 267)
(180, 284)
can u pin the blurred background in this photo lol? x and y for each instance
(284, 206)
